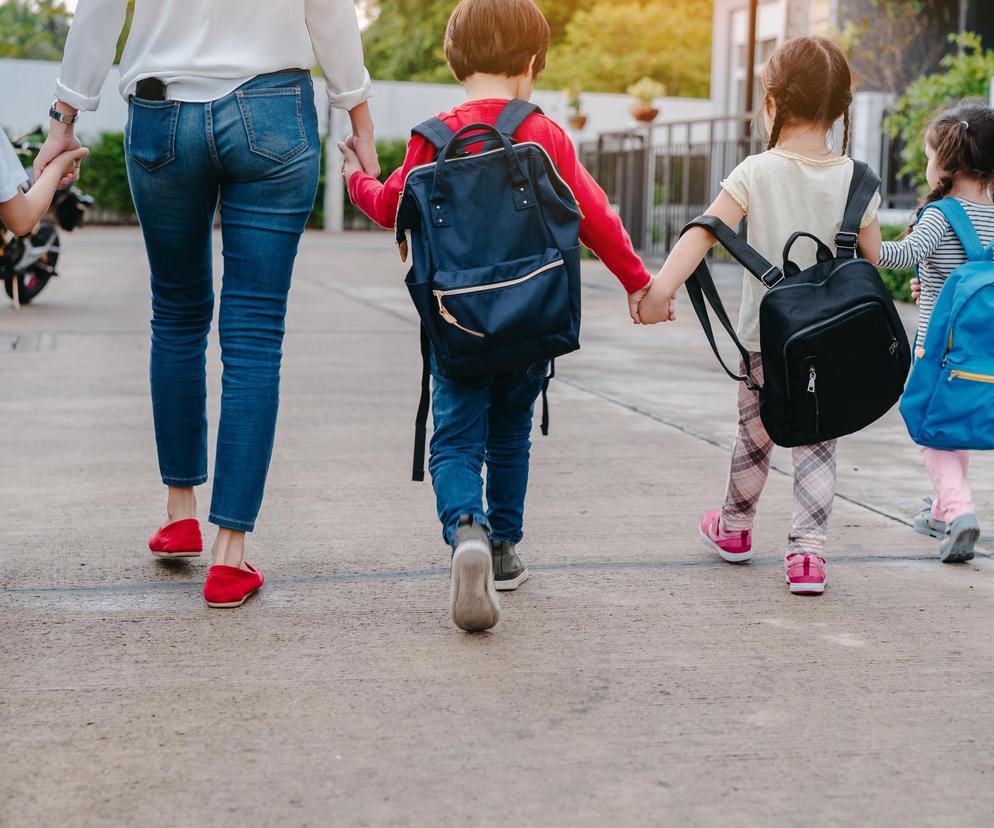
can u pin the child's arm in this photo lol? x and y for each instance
(869, 240)
(686, 254)
(917, 246)
(22, 212)
(600, 227)
(379, 200)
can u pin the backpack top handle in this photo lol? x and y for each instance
(521, 190)
(824, 253)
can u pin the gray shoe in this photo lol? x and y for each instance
(473, 599)
(509, 571)
(961, 536)
(927, 525)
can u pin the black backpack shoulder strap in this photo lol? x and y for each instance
(421, 422)
(514, 114)
(865, 183)
(435, 132)
(746, 256)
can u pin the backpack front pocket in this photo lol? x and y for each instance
(959, 414)
(509, 302)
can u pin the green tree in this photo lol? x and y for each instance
(600, 45)
(33, 29)
(611, 45)
(965, 73)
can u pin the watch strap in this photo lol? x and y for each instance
(61, 117)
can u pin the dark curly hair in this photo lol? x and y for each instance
(808, 79)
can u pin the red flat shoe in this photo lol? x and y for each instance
(230, 586)
(179, 539)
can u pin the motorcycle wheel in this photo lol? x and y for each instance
(32, 280)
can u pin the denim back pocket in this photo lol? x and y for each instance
(273, 121)
(152, 132)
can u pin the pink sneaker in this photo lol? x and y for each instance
(734, 547)
(805, 573)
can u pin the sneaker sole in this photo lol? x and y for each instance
(805, 589)
(473, 598)
(511, 583)
(730, 557)
(231, 604)
(961, 548)
(175, 554)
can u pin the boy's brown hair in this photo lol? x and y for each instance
(496, 37)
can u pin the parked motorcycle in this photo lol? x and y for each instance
(27, 263)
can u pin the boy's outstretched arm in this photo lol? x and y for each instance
(686, 254)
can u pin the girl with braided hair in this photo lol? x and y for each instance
(801, 182)
(959, 145)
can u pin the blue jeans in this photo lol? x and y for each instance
(256, 151)
(490, 422)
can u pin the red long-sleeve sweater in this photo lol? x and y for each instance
(600, 228)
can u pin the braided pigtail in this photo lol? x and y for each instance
(778, 122)
(845, 131)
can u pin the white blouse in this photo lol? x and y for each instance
(205, 49)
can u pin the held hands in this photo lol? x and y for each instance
(653, 307)
(60, 143)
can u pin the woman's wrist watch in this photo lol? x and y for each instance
(61, 117)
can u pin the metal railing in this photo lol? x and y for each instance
(660, 177)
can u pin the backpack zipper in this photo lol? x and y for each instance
(447, 315)
(969, 375)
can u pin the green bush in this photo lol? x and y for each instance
(896, 281)
(104, 175)
(965, 73)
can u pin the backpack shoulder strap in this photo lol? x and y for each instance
(962, 227)
(435, 132)
(746, 256)
(865, 183)
(514, 114)
(424, 405)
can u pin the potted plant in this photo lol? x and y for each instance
(645, 92)
(576, 119)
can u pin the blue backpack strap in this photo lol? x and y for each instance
(514, 114)
(435, 132)
(962, 227)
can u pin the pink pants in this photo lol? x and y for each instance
(948, 470)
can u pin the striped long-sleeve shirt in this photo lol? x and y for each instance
(933, 247)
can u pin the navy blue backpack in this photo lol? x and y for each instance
(494, 240)
(949, 399)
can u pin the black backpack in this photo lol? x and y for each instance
(494, 242)
(835, 354)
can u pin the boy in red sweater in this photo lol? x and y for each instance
(496, 49)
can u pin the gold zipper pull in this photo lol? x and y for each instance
(448, 317)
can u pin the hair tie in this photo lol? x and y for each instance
(966, 124)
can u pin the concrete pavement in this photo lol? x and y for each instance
(634, 679)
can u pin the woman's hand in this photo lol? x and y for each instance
(61, 138)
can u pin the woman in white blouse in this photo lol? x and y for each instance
(221, 111)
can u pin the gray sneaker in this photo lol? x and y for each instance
(509, 571)
(961, 536)
(925, 524)
(473, 599)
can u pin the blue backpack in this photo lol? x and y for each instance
(494, 240)
(949, 399)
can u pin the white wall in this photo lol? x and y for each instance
(28, 89)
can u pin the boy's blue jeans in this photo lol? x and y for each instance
(490, 422)
(257, 151)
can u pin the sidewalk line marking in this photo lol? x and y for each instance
(442, 571)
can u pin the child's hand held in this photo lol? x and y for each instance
(350, 161)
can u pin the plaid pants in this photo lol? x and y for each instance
(814, 477)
